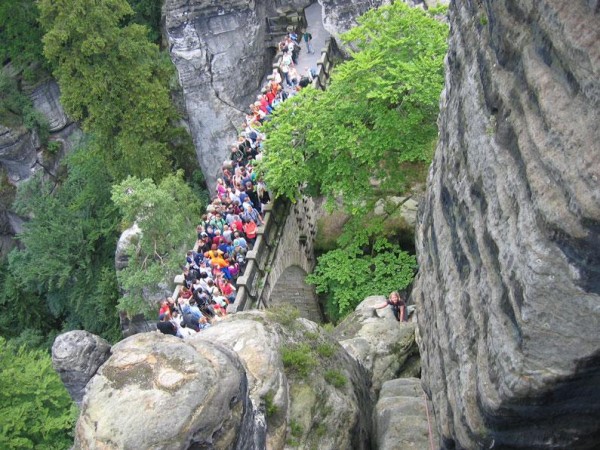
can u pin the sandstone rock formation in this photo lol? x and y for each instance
(21, 152)
(222, 52)
(509, 282)
(157, 392)
(76, 356)
(403, 418)
(230, 386)
(386, 348)
(340, 15)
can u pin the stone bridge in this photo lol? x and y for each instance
(281, 258)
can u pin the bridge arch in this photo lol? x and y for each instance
(283, 253)
(291, 289)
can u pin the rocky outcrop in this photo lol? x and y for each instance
(22, 154)
(403, 418)
(509, 281)
(76, 356)
(157, 392)
(46, 99)
(386, 348)
(240, 384)
(340, 15)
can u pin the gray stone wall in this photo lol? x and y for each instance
(508, 235)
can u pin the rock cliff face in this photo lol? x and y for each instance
(221, 52)
(255, 380)
(21, 152)
(508, 236)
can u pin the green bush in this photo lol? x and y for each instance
(285, 315)
(54, 147)
(335, 378)
(35, 408)
(299, 359)
(326, 350)
(270, 407)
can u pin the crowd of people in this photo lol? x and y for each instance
(228, 230)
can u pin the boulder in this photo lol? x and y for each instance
(46, 99)
(507, 240)
(76, 356)
(381, 344)
(157, 391)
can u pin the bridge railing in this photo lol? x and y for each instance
(256, 277)
(324, 65)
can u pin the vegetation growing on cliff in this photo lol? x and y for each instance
(64, 274)
(355, 142)
(114, 81)
(164, 212)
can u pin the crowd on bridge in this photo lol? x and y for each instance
(228, 229)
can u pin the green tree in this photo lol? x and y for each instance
(65, 270)
(36, 411)
(21, 36)
(165, 214)
(148, 13)
(358, 269)
(115, 81)
(378, 113)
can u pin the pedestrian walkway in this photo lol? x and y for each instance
(314, 19)
(229, 228)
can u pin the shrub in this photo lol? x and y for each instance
(299, 359)
(326, 350)
(270, 407)
(35, 408)
(284, 315)
(335, 378)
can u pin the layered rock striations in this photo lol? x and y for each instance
(508, 291)
(22, 153)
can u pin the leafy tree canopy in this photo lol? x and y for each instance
(148, 13)
(379, 112)
(65, 271)
(366, 262)
(36, 411)
(114, 80)
(164, 213)
(20, 36)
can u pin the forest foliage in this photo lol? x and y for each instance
(164, 213)
(117, 83)
(36, 411)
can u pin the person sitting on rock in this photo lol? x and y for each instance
(398, 305)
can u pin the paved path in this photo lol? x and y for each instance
(314, 18)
